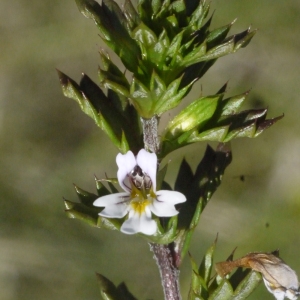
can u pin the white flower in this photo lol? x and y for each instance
(137, 177)
(280, 279)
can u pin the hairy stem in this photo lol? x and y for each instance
(169, 273)
(150, 133)
(163, 254)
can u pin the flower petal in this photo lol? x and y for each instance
(148, 163)
(139, 223)
(171, 197)
(115, 211)
(111, 199)
(116, 205)
(162, 209)
(126, 163)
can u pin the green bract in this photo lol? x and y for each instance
(110, 112)
(213, 118)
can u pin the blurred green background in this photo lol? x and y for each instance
(47, 144)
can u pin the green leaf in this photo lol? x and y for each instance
(157, 86)
(171, 97)
(175, 45)
(217, 51)
(131, 15)
(106, 112)
(160, 177)
(107, 289)
(218, 134)
(157, 53)
(199, 15)
(145, 38)
(198, 286)
(72, 90)
(210, 49)
(111, 77)
(184, 177)
(232, 105)
(242, 39)
(85, 197)
(123, 290)
(156, 5)
(112, 187)
(144, 35)
(198, 189)
(195, 55)
(165, 235)
(223, 123)
(124, 145)
(113, 26)
(192, 116)
(90, 216)
(218, 35)
(247, 285)
(141, 99)
(223, 292)
(207, 263)
(101, 189)
(81, 212)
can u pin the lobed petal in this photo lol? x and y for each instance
(126, 163)
(148, 163)
(111, 199)
(171, 197)
(116, 205)
(162, 209)
(115, 211)
(139, 223)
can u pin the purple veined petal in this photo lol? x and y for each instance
(116, 205)
(285, 276)
(111, 199)
(148, 163)
(162, 209)
(126, 163)
(171, 197)
(115, 211)
(139, 223)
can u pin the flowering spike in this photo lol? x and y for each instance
(162, 43)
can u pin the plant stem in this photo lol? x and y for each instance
(169, 273)
(150, 133)
(163, 254)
